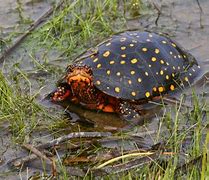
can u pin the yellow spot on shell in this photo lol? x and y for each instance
(167, 77)
(144, 49)
(122, 62)
(108, 72)
(95, 60)
(132, 72)
(174, 45)
(146, 73)
(162, 62)
(186, 79)
(123, 48)
(98, 82)
(123, 55)
(172, 87)
(133, 61)
(150, 35)
(122, 39)
(118, 73)
(106, 54)
(99, 65)
(157, 51)
(117, 89)
(154, 59)
(133, 93)
(112, 62)
(147, 94)
(139, 80)
(108, 44)
(160, 89)
(154, 89)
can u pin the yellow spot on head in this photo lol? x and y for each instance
(157, 51)
(95, 60)
(186, 79)
(132, 72)
(154, 59)
(122, 62)
(147, 94)
(108, 72)
(99, 65)
(123, 48)
(172, 87)
(123, 55)
(131, 45)
(161, 72)
(106, 54)
(133, 93)
(173, 74)
(112, 62)
(98, 82)
(139, 80)
(117, 89)
(160, 89)
(144, 49)
(133, 61)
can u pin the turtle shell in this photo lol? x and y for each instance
(136, 65)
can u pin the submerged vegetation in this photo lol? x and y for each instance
(72, 28)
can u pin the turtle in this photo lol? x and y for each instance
(125, 71)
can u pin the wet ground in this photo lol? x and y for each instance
(186, 21)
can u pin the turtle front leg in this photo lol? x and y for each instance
(129, 112)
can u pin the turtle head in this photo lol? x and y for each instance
(79, 77)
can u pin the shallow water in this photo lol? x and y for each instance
(183, 20)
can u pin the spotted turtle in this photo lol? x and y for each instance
(127, 70)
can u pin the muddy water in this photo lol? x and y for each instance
(185, 21)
